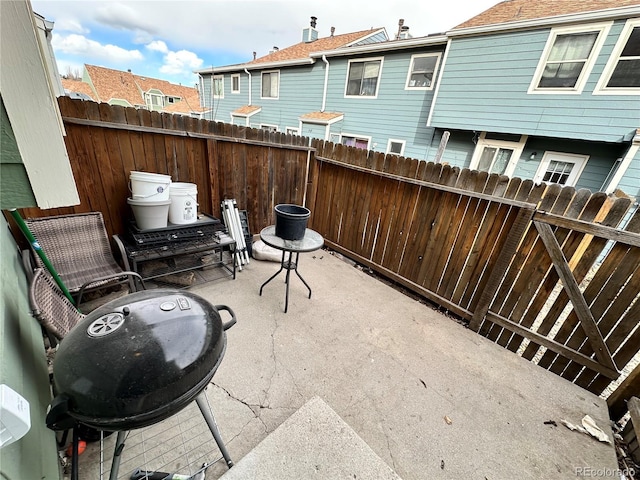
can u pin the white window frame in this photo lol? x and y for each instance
(149, 97)
(603, 31)
(612, 63)
(361, 137)
(213, 82)
(364, 60)
(292, 130)
(435, 70)
(234, 77)
(483, 142)
(393, 140)
(262, 79)
(269, 127)
(579, 160)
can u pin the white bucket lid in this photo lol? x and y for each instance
(147, 176)
(143, 203)
(183, 186)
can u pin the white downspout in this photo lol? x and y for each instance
(248, 73)
(326, 83)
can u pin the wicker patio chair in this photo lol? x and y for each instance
(50, 306)
(78, 247)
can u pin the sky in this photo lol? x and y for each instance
(168, 39)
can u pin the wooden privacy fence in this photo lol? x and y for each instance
(507, 255)
(542, 271)
(105, 143)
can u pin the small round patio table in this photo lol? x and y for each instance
(311, 241)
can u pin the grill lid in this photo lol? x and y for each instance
(138, 359)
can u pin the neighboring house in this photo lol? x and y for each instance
(78, 89)
(358, 88)
(116, 87)
(546, 90)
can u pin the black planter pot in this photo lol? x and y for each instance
(291, 221)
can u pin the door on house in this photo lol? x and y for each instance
(497, 155)
(560, 168)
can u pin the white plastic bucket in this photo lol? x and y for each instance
(149, 187)
(184, 203)
(150, 215)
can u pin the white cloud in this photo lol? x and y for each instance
(124, 17)
(180, 63)
(70, 25)
(158, 46)
(80, 45)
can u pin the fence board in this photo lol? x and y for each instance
(536, 263)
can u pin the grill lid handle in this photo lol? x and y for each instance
(227, 325)
(58, 417)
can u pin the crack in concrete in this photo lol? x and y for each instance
(275, 361)
(253, 407)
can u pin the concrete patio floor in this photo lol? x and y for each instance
(430, 398)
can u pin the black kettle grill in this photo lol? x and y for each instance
(138, 360)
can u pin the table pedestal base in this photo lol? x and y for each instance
(287, 265)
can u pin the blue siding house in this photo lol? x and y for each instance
(546, 90)
(360, 89)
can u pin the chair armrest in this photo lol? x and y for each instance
(133, 276)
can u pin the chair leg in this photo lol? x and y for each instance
(208, 416)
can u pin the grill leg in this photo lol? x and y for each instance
(208, 416)
(115, 464)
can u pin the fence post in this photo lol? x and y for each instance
(630, 387)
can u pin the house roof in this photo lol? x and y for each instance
(78, 86)
(521, 10)
(112, 84)
(246, 110)
(324, 118)
(302, 50)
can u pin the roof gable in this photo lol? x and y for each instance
(521, 10)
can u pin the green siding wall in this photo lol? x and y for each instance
(15, 188)
(485, 83)
(23, 367)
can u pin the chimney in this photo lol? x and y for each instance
(310, 34)
(400, 24)
(404, 33)
(333, 30)
(129, 70)
(254, 55)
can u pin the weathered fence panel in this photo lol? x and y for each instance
(525, 264)
(105, 143)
